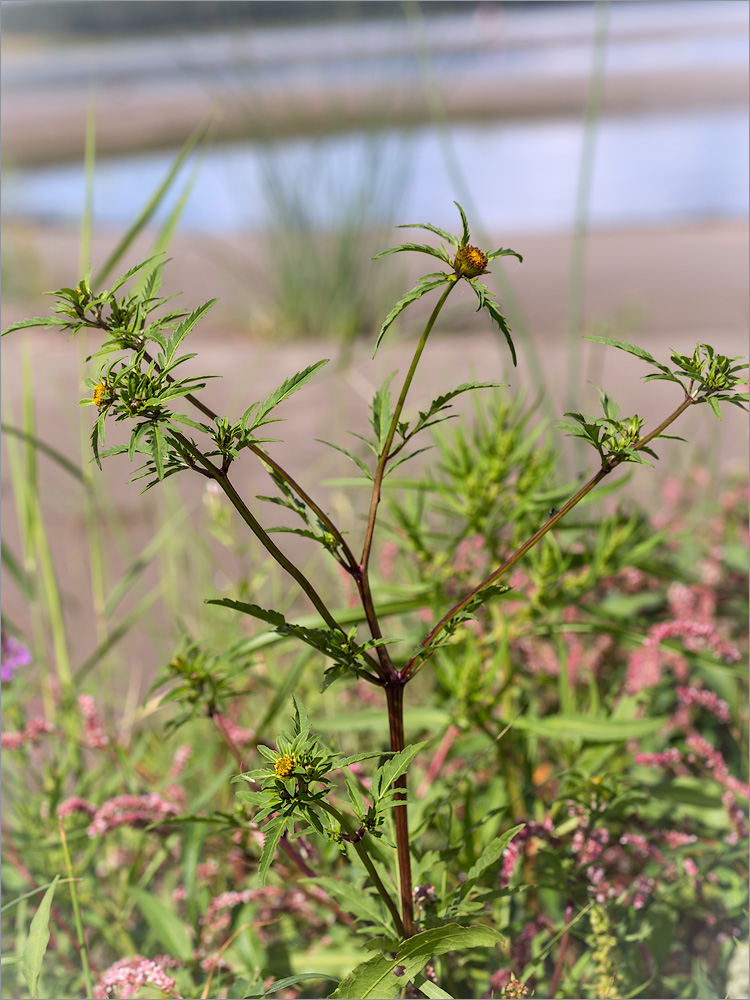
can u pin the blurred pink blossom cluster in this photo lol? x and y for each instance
(123, 810)
(34, 729)
(96, 738)
(127, 976)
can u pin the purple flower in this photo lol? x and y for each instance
(13, 654)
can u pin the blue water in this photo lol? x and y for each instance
(658, 169)
(652, 168)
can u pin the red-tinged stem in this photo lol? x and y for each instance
(557, 974)
(395, 697)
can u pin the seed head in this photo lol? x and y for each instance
(470, 262)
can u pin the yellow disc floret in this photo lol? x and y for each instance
(100, 395)
(469, 262)
(284, 765)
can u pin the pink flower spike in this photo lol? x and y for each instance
(125, 978)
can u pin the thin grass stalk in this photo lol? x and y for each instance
(83, 948)
(38, 535)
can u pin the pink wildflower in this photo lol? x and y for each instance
(96, 738)
(35, 727)
(715, 763)
(707, 699)
(179, 761)
(75, 804)
(125, 978)
(130, 810)
(666, 758)
(237, 734)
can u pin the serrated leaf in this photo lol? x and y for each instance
(35, 947)
(185, 327)
(34, 321)
(440, 403)
(416, 248)
(272, 833)
(504, 252)
(381, 413)
(487, 301)
(272, 617)
(357, 461)
(396, 766)
(287, 387)
(444, 234)
(422, 287)
(639, 352)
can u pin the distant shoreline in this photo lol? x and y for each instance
(42, 127)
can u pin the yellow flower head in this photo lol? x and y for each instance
(469, 262)
(100, 395)
(284, 765)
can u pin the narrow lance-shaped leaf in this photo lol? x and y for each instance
(424, 285)
(272, 833)
(398, 765)
(37, 941)
(287, 387)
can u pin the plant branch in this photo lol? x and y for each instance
(385, 454)
(395, 697)
(361, 850)
(257, 529)
(419, 659)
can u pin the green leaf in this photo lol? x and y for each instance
(418, 950)
(185, 327)
(287, 387)
(25, 324)
(639, 352)
(381, 413)
(465, 226)
(272, 834)
(487, 301)
(439, 404)
(171, 932)
(284, 984)
(372, 980)
(425, 284)
(37, 941)
(432, 990)
(444, 234)
(357, 900)
(272, 617)
(397, 765)
(714, 404)
(382, 978)
(416, 248)
(578, 727)
(357, 461)
(489, 857)
(504, 252)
